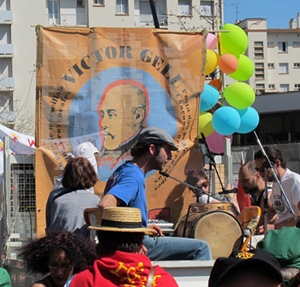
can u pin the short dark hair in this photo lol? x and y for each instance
(140, 149)
(79, 174)
(273, 154)
(194, 175)
(80, 250)
(110, 242)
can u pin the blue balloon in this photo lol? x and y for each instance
(226, 120)
(208, 98)
(249, 120)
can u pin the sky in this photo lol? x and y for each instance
(278, 13)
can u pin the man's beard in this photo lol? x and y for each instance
(253, 190)
(155, 164)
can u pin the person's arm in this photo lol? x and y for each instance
(109, 200)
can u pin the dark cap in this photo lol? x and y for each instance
(154, 135)
(224, 268)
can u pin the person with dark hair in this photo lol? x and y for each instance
(59, 254)
(126, 187)
(65, 206)
(246, 268)
(290, 182)
(253, 183)
(87, 150)
(199, 179)
(121, 255)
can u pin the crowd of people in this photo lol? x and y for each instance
(125, 245)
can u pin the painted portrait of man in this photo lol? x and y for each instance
(123, 112)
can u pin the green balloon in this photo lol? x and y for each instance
(235, 41)
(244, 70)
(239, 95)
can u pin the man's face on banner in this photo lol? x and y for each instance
(122, 114)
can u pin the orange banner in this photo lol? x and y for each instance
(104, 85)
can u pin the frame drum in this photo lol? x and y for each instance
(220, 229)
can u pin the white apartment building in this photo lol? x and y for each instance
(18, 19)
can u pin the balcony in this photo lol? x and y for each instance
(6, 50)
(7, 84)
(68, 20)
(6, 17)
(147, 20)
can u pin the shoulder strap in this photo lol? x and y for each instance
(61, 192)
(151, 276)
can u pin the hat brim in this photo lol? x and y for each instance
(148, 231)
(174, 148)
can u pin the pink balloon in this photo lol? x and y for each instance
(216, 142)
(211, 41)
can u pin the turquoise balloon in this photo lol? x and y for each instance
(244, 70)
(239, 95)
(226, 120)
(208, 98)
(249, 120)
(234, 40)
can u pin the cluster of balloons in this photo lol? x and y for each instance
(237, 116)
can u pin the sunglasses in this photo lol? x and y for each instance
(203, 184)
(263, 167)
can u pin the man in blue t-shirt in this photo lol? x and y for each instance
(126, 187)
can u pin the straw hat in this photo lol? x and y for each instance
(122, 219)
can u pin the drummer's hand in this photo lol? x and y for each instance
(157, 229)
(260, 229)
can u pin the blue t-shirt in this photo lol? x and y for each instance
(127, 183)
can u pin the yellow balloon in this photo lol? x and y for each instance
(212, 61)
(205, 124)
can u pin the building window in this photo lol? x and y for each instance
(258, 50)
(272, 86)
(260, 88)
(297, 87)
(296, 65)
(99, 2)
(80, 3)
(206, 8)
(259, 71)
(271, 65)
(270, 44)
(282, 47)
(122, 6)
(258, 44)
(284, 88)
(283, 68)
(296, 44)
(184, 7)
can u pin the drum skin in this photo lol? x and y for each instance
(219, 228)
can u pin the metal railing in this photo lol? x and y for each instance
(67, 19)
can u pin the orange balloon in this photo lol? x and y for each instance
(228, 63)
(216, 83)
